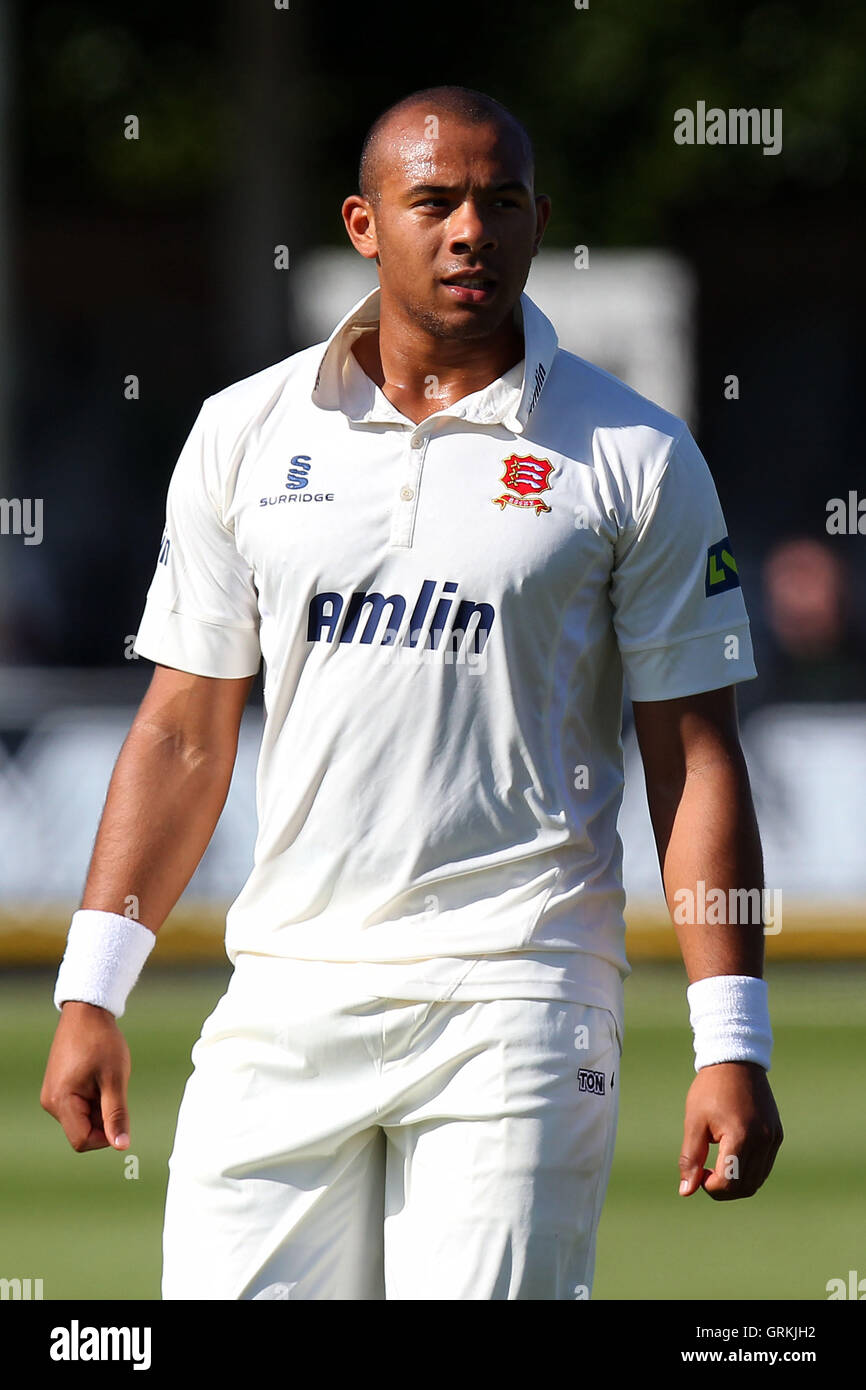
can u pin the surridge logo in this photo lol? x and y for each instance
(329, 615)
(296, 481)
(298, 470)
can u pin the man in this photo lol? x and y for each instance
(447, 538)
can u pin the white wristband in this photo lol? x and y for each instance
(731, 1020)
(103, 959)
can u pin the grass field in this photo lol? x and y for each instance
(87, 1231)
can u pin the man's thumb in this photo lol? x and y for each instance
(695, 1149)
(115, 1117)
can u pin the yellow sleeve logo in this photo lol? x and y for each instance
(721, 569)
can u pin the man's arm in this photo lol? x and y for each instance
(705, 829)
(165, 797)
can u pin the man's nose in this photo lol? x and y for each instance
(469, 231)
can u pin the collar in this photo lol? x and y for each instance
(341, 384)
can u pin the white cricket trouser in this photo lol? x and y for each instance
(333, 1145)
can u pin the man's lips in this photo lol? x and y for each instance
(470, 287)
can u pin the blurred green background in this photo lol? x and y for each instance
(76, 1222)
(156, 256)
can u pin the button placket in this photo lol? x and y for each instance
(406, 505)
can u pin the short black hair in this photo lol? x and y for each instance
(476, 108)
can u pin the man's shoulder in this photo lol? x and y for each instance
(247, 398)
(585, 392)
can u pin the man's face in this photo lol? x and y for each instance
(456, 224)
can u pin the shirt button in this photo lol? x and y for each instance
(407, 493)
(417, 443)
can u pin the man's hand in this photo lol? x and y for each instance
(729, 1104)
(86, 1078)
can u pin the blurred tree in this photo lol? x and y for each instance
(598, 89)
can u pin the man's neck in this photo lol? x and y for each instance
(421, 374)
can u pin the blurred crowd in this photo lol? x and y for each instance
(806, 625)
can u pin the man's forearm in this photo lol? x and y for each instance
(162, 806)
(713, 844)
(710, 852)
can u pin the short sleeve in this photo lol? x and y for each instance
(201, 612)
(679, 612)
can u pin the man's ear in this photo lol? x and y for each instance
(542, 214)
(360, 221)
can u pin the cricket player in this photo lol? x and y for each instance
(451, 542)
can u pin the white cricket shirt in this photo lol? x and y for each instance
(446, 612)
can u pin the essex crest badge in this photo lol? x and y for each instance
(525, 475)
